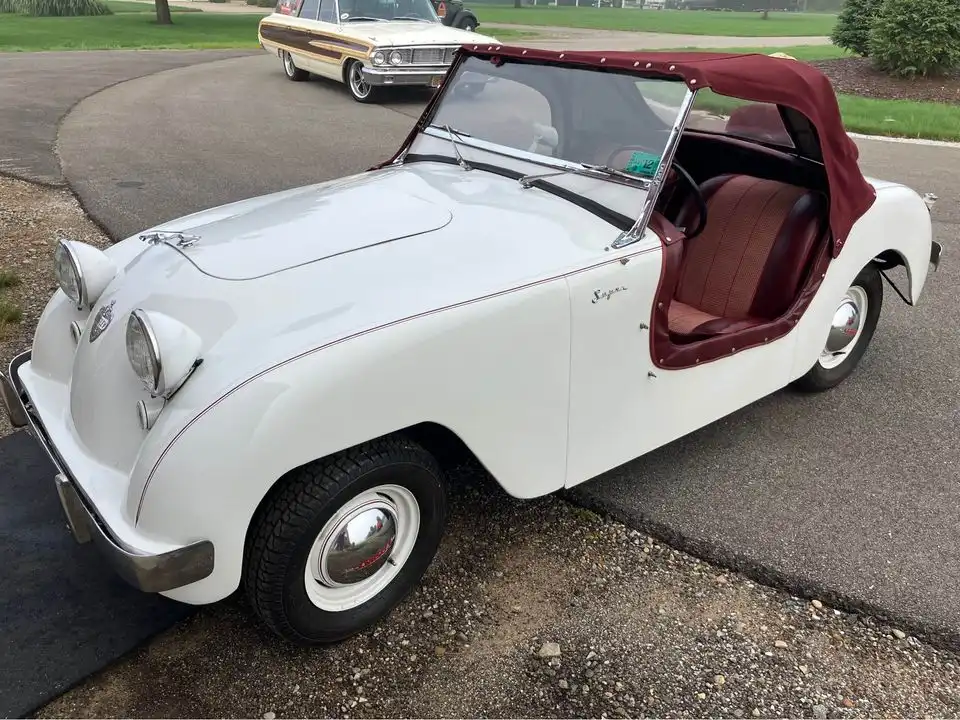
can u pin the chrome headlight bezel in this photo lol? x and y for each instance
(396, 58)
(66, 260)
(140, 333)
(82, 271)
(379, 57)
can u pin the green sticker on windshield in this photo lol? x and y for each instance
(643, 163)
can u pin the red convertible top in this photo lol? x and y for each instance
(754, 77)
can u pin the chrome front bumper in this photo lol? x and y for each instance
(428, 76)
(149, 573)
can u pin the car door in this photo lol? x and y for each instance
(328, 41)
(622, 405)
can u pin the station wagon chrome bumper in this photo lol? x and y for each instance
(430, 76)
(147, 572)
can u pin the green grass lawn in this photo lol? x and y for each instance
(800, 52)
(894, 118)
(129, 30)
(134, 26)
(687, 22)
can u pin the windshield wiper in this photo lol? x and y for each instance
(412, 17)
(363, 17)
(456, 148)
(588, 170)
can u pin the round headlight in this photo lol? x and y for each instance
(396, 58)
(66, 267)
(143, 350)
(379, 58)
(163, 352)
(82, 271)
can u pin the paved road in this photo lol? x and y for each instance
(852, 493)
(39, 88)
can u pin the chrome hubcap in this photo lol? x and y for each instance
(359, 546)
(362, 548)
(846, 327)
(288, 64)
(359, 85)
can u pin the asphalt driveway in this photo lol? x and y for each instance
(851, 494)
(39, 88)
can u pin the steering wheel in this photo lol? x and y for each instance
(681, 171)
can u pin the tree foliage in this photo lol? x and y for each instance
(916, 37)
(852, 31)
(55, 8)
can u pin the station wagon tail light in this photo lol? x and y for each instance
(82, 271)
(163, 352)
(379, 58)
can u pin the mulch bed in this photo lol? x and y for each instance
(856, 76)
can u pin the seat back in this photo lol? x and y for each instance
(751, 257)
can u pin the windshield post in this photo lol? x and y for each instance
(634, 233)
(336, 13)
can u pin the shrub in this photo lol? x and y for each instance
(62, 8)
(852, 30)
(916, 37)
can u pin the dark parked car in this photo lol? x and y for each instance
(455, 14)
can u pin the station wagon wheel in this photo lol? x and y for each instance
(291, 70)
(852, 326)
(341, 541)
(360, 88)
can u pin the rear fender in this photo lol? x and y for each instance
(895, 231)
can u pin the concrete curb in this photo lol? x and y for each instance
(908, 141)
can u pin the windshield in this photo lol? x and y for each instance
(593, 117)
(374, 10)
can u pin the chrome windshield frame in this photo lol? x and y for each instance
(636, 232)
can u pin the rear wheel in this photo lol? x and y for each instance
(851, 330)
(291, 70)
(344, 540)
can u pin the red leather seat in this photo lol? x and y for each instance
(748, 264)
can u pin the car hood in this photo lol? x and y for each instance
(388, 34)
(255, 238)
(413, 214)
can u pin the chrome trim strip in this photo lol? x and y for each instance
(606, 261)
(149, 573)
(636, 232)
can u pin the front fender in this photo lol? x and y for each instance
(494, 371)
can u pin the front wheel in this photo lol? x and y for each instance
(360, 88)
(470, 25)
(851, 330)
(344, 539)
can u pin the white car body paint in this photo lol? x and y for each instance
(499, 312)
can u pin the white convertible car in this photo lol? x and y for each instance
(367, 44)
(551, 277)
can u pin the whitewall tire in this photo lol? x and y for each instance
(342, 540)
(852, 326)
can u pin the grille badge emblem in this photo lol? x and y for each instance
(102, 320)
